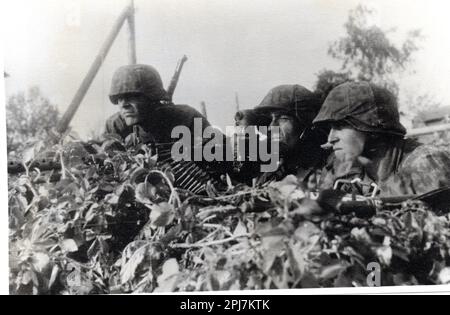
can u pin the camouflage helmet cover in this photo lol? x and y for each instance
(365, 106)
(137, 79)
(295, 99)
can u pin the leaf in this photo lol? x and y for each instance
(145, 193)
(168, 279)
(112, 199)
(68, 246)
(26, 277)
(229, 183)
(362, 236)
(53, 276)
(288, 188)
(444, 276)
(272, 247)
(240, 229)
(306, 231)
(128, 270)
(40, 261)
(161, 215)
(90, 214)
(169, 269)
(331, 272)
(79, 283)
(152, 161)
(385, 254)
(28, 155)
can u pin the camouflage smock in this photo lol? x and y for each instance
(404, 167)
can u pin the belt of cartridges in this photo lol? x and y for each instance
(188, 175)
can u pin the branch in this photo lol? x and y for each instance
(207, 213)
(220, 242)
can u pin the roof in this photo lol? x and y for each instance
(434, 115)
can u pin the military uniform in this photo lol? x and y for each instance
(164, 116)
(407, 168)
(397, 165)
(158, 126)
(157, 118)
(300, 103)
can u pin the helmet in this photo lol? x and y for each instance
(141, 79)
(295, 99)
(365, 106)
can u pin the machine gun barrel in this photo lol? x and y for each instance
(438, 199)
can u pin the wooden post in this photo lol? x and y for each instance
(237, 102)
(132, 59)
(204, 113)
(90, 76)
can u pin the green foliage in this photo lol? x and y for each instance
(114, 223)
(327, 80)
(367, 53)
(29, 117)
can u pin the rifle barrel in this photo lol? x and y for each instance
(176, 76)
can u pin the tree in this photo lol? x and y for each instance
(29, 117)
(328, 80)
(368, 54)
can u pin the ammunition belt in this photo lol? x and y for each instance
(188, 175)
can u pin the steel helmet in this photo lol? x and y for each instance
(365, 106)
(295, 99)
(137, 79)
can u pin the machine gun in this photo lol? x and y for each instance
(342, 203)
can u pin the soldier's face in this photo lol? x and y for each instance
(289, 130)
(348, 144)
(133, 108)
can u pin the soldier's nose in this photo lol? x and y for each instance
(124, 104)
(274, 123)
(333, 137)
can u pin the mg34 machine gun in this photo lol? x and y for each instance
(366, 206)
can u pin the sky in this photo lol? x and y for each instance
(234, 46)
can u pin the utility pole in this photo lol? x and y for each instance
(238, 107)
(95, 67)
(204, 112)
(132, 59)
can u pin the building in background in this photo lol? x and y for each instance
(433, 117)
(432, 126)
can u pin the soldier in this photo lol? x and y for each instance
(146, 116)
(145, 112)
(368, 142)
(291, 108)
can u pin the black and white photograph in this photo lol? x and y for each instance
(226, 146)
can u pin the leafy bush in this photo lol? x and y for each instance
(29, 116)
(114, 223)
